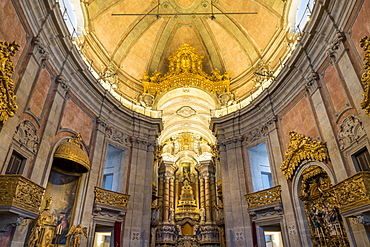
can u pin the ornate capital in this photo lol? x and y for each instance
(7, 105)
(41, 53)
(302, 148)
(365, 79)
(335, 43)
(63, 82)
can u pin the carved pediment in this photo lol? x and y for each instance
(299, 149)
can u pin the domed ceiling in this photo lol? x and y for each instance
(125, 46)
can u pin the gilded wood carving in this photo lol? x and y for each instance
(321, 207)
(365, 79)
(8, 107)
(185, 70)
(111, 198)
(302, 148)
(264, 197)
(18, 191)
(354, 191)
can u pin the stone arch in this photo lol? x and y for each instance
(316, 205)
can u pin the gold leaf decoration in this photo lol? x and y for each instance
(185, 70)
(302, 148)
(353, 192)
(264, 197)
(111, 198)
(365, 79)
(7, 105)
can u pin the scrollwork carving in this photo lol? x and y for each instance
(264, 197)
(354, 191)
(26, 135)
(350, 131)
(8, 107)
(18, 191)
(117, 135)
(302, 148)
(111, 198)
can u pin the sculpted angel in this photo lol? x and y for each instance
(75, 233)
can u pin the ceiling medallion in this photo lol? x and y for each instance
(185, 70)
(186, 111)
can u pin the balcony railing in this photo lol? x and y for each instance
(111, 198)
(18, 192)
(264, 197)
(353, 192)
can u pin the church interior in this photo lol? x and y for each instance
(184, 123)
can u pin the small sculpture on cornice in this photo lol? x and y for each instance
(262, 74)
(110, 74)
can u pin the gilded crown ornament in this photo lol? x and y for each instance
(185, 70)
(8, 107)
(302, 148)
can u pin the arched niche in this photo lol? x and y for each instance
(316, 206)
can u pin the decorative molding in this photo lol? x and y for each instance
(20, 192)
(264, 197)
(302, 148)
(116, 135)
(350, 131)
(365, 79)
(8, 107)
(186, 111)
(26, 135)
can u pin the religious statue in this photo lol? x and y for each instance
(171, 217)
(35, 235)
(75, 233)
(195, 229)
(186, 175)
(178, 230)
(202, 214)
(43, 228)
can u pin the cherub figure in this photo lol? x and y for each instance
(75, 233)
